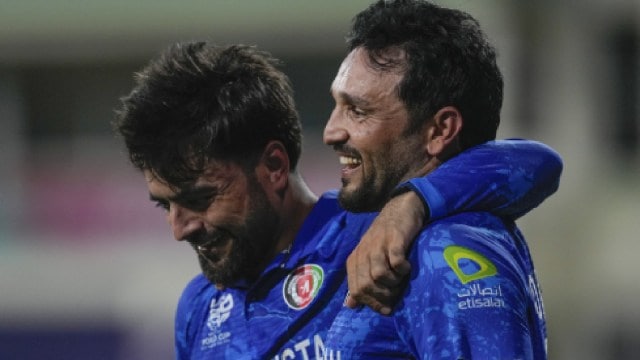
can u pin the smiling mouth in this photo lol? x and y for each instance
(212, 254)
(350, 161)
(350, 166)
(210, 247)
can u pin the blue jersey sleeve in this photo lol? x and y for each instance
(507, 177)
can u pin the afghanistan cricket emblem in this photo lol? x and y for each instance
(301, 286)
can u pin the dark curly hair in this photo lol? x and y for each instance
(448, 62)
(197, 102)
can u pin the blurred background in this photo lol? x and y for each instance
(88, 267)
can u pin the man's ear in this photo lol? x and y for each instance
(442, 135)
(275, 166)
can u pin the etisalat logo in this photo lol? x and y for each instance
(302, 285)
(473, 296)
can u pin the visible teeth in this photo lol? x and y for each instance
(346, 160)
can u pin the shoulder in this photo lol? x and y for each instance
(194, 291)
(463, 227)
(457, 250)
(442, 244)
(330, 230)
(330, 194)
(191, 305)
(326, 207)
(329, 198)
(196, 285)
(470, 253)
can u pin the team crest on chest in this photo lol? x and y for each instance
(302, 285)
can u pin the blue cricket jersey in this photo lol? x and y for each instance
(472, 294)
(287, 312)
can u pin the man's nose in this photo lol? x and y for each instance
(184, 222)
(334, 132)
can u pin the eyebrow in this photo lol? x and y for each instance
(188, 194)
(351, 99)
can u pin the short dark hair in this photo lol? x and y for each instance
(197, 102)
(449, 62)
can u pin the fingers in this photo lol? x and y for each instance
(399, 264)
(350, 302)
(372, 282)
(371, 302)
(383, 273)
(353, 303)
(377, 267)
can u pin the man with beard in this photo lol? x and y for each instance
(216, 134)
(419, 88)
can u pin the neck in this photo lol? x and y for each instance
(298, 200)
(431, 164)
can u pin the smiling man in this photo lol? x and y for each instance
(368, 101)
(420, 86)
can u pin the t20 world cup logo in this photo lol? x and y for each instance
(219, 311)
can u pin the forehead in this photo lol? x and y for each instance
(216, 172)
(358, 75)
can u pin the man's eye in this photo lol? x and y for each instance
(162, 205)
(199, 204)
(356, 111)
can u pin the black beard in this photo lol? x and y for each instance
(372, 195)
(364, 199)
(367, 197)
(252, 244)
(230, 269)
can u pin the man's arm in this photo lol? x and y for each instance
(506, 177)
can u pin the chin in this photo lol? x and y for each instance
(360, 200)
(222, 272)
(351, 203)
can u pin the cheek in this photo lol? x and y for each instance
(224, 214)
(378, 147)
(371, 139)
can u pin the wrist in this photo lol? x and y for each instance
(412, 205)
(407, 194)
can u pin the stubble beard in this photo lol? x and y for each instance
(226, 270)
(370, 195)
(249, 247)
(377, 186)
